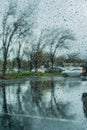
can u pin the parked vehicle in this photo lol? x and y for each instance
(84, 72)
(73, 71)
(84, 100)
(55, 69)
(39, 70)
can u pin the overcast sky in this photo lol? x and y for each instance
(68, 14)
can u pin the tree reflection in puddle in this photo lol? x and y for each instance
(19, 99)
(31, 101)
(5, 119)
(8, 120)
(53, 108)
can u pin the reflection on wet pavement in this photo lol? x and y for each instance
(54, 97)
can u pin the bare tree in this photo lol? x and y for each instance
(57, 41)
(19, 57)
(38, 51)
(35, 51)
(14, 25)
(28, 54)
(72, 56)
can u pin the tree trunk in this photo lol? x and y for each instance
(36, 62)
(52, 61)
(19, 64)
(31, 66)
(4, 66)
(18, 58)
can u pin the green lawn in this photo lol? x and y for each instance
(15, 75)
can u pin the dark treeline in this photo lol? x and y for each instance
(43, 60)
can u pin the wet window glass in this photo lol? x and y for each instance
(43, 64)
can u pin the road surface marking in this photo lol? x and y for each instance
(42, 118)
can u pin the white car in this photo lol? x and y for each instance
(73, 71)
(39, 70)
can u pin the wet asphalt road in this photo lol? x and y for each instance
(46, 124)
(43, 104)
